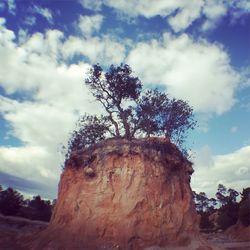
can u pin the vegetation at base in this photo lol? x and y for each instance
(225, 205)
(12, 203)
(130, 112)
(244, 207)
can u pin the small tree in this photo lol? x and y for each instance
(221, 194)
(225, 195)
(111, 89)
(129, 112)
(205, 207)
(161, 115)
(41, 209)
(229, 207)
(203, 203)
(10, 201)
(90, 129)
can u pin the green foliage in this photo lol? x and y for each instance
(203, 204)
(129, 111)
(221, 194)
(90, 129)
(245, 194)
(41, 209)
(10, 201)
(161, 115)
(225, 195)
(229, 212)
(111, 90)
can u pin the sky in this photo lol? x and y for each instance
(195, 50)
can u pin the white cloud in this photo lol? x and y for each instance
(12, 7)
(30, 20)
(37, 122)
(35, 159)
(2, 23)
(179, 14)
(90, 4)
(214, 11)
(55, 96)
(34, 164)
(231, 170)
(22, 36)
(204, 157)
(242, 7)
(46, 13)
(90, 24)
(34, 57)
(96, 49)
(243, 4)
(188, 13)
(196, 71)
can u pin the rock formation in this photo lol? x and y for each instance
(121, 194)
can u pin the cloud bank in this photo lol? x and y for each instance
(231, 170)
(189, 70)
(179, 14)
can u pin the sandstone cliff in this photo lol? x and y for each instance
(123, 194)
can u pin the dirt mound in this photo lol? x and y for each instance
(239, 232)
(12, 229)
(123, 194)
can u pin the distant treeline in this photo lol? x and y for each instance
(216, 213)
(13, 203)
(224, 210)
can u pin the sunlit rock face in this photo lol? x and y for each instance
(122, 194)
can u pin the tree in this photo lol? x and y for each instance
(244, 210)
(204, 207)
(90, 129)
(42, 209)
(129, 111)
(221, 194)
(229, 207)
(10, 201)
(111, 90)
(203, 203)
(161, 115)
(225, 195)
(245, 194)
(233, 194)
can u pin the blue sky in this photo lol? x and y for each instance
(196, 50)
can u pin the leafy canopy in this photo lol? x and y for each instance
(129, 111)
